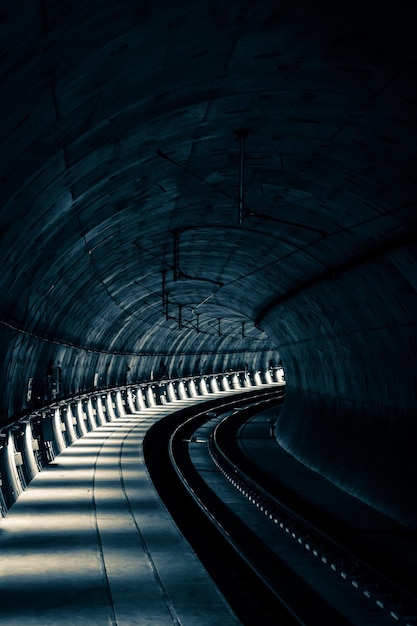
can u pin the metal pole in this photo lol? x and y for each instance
(242, 134)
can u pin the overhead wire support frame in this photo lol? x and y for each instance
(242, 135)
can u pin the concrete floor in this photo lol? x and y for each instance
(90, 542)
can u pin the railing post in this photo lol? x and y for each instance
(81, 418)
(203, 387)
(150, 396)
(181, 390)
(235, 381)
(225, 383)
(119, 404)
(214, 387)
(69, 423)
(279, 374)
(57, 430)
(110, 406)
(90, 414)
(100, 411)
(30, 461)
(140, 402)
(192, 388)
(12, 475)
(130, 403)
(171, 392)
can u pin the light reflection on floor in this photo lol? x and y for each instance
(71, 552)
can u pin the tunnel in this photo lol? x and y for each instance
(194, 188)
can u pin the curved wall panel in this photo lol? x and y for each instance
(34, 372)
(350, 409)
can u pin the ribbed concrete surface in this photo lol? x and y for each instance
(90, 542)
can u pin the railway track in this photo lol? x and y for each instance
(191, 457)
(232, 574)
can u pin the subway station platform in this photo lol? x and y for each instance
(90, 543)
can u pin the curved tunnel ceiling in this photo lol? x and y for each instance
(122, 163)
(195, 178)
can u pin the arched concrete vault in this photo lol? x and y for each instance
(211, 185)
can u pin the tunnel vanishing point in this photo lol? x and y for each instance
(199, 187)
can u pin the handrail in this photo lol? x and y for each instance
(63, 401)
(32, 440)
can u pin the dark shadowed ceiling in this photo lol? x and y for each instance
(186, 179)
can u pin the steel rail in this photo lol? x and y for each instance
(390, 597)
(178, 435)
(242, 588)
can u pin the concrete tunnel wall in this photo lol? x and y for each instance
(31, 443)
(95, 142)
(348, 347)
(25, 357)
